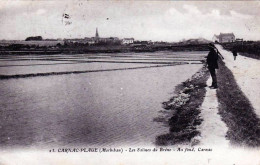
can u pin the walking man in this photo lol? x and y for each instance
(212, 61)
(234, 53)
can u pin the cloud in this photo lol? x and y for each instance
(194, 23)
(155, 20)
(239, 15)
(40, 11)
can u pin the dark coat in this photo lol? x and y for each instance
(212, 59)
(234, 53)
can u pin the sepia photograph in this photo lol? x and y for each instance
(124, 82)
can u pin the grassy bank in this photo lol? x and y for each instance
(186, 109)
(255, 56)
(236, 111)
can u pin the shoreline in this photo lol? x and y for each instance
(186, 110)
(233, 107)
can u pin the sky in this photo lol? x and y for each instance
(143, 20)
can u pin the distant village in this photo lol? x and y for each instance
(97, 40)
(98, 44)
(87, 41)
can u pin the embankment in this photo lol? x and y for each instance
(236, 111)
(186, 109)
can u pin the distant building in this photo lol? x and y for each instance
(224, 38)
(36, 38)
(239, 40)
(80, 41)
(99, 40)
(215, 38)
(128, 41)
(88, 40)
(96, 36)
(110, 39)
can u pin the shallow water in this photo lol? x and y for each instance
(34, 64)
(92, 109)
(33, 69)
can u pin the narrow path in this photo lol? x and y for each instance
(247, 74)
(213, 129)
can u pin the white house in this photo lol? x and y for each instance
(215, 38)
(128, 41)
(224, 38)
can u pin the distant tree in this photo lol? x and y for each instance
(15, 46)
(66, 44)
(58, 45)
(36, 38)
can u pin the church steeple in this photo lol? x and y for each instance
(97, 36)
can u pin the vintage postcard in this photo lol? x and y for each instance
(129, 82)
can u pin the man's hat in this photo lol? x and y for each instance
(211, 45)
